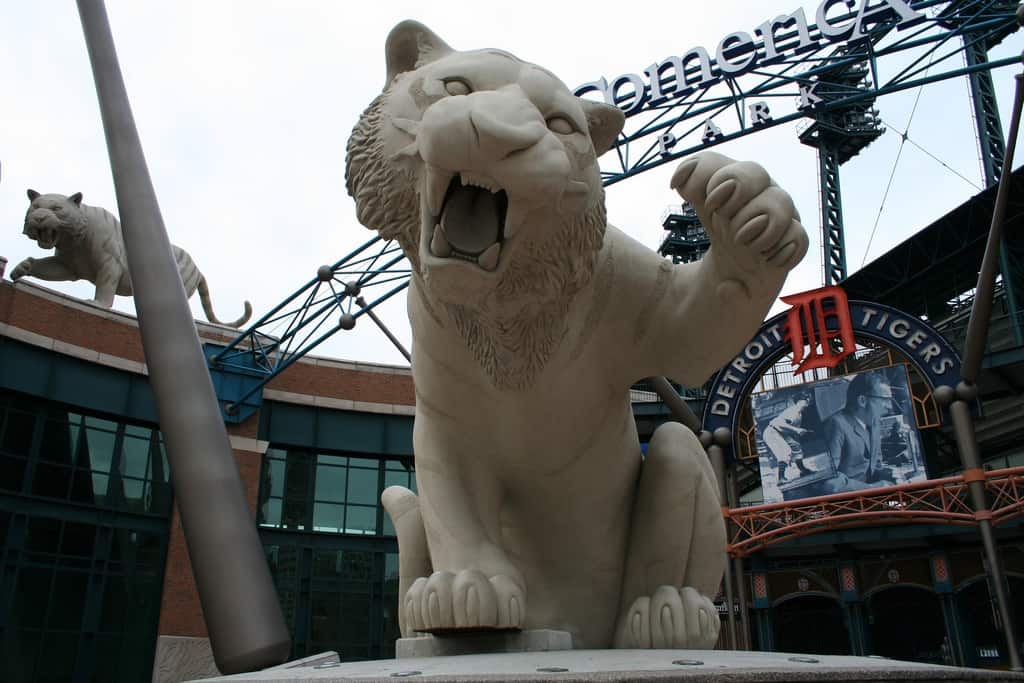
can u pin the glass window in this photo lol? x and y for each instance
(135, 457)
(115, 600)
(328, 493)
(325, 459)
(284, 561)
(165, 469)
(100, 423)
(100, 484)
(66, 581)
(368, 463)
(57, 661)
(362, 486)
(391, 572)
(12, 472)
(59, 442)
(271, 512)
(298, 472)
(51, 481)
(139, 432)
(357, 565)
(327, 563)
(134, 494)
(78, 539)
(67, 602)
(330, 483)
(327, 517)
(149, 551)
(30, 599)
(18, 433)
(273, 478)
(43, 535)
(360, 519)
(406, 479)
(325, 613)
(356, 625)
(100, 452)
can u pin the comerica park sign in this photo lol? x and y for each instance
(739, 52)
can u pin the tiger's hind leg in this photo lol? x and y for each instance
(676, 549)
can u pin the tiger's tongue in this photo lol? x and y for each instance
(471, 219)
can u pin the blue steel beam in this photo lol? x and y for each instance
(334, 300)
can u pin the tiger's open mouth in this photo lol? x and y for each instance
(470, 222)
(46, 238)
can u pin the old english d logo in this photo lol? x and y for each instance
(819, 320)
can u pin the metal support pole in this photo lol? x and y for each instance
(675, 403)
(240, 605)
(384, 328)
(967, 443)
(967, 390)
(718, 464)
(833, 238)
(739, 575)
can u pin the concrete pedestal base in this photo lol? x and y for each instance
(541, 640)
(632, 666)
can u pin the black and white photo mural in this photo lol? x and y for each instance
(837, 435)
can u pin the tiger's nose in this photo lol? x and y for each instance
(497, 139)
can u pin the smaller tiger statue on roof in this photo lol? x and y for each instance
(89, 245)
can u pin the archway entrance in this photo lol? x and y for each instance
(984, 641)
(905, 622)
(811, 624)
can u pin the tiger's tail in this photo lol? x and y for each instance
(204, 298)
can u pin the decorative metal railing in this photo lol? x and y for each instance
(936, 501)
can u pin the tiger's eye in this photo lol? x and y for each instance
(561, 125)
(457, 86)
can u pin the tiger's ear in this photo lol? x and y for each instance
(605, 123)
(410, 44)
(76, 198)
(32, 194)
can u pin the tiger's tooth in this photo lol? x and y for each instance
(439, 245)
(437, 182)
(513, 218)
(489, 259)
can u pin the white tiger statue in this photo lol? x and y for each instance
(531, 319)
(89, 245)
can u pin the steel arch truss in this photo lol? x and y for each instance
(793, 86)
(936, 501)
(333, 300)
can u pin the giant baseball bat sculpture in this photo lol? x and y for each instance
(243, 616)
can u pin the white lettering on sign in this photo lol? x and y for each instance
(737, 52)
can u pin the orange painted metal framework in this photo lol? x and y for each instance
(936, 501)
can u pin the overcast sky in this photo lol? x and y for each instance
(244, 109)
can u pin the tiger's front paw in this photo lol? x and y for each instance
(672, 618)
(752, 220)
(466, 600)
(22, 269)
